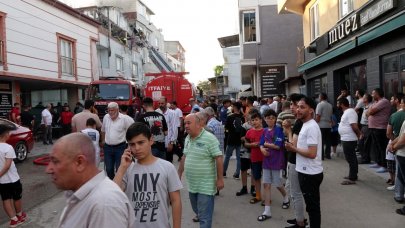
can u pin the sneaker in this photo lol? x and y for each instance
(381, 170)
(22, 218)
(243, 191)
(391, 188)
(224, 175)
(374, 166)
(14, 223)
(235, 176)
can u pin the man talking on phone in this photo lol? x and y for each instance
(150, 183)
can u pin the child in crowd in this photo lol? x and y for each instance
(91, 131)
(10, 185)
(252, 141)
(245, 160)
(271, 145)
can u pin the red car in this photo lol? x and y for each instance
(21, 139)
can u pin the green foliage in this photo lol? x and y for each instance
(218, 70)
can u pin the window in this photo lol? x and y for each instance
(134, 70)
(3, 57)
(314, 21)
(119, 61)
(345, 7)
(66, 56)
(393, 72)
(318, 85)
(249, 26)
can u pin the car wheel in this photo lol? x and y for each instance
(21, 151)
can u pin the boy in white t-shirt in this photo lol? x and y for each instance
(10, 185)
(91, 131)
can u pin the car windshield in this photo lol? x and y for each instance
(109, 92)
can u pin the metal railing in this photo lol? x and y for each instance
(1, 52)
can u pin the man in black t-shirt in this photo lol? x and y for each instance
(292, 184)
(158, 127)
(27, 119)
(234, 129)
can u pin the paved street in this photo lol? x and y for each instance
(366, 204)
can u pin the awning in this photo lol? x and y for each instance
(289, 79)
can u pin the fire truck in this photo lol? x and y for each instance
(117, 89)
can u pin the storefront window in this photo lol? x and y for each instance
(391, 76)
(351, 78)
(317, 86)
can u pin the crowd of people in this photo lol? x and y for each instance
(281, 140)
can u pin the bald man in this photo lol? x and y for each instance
(93, 200)
(203, 165)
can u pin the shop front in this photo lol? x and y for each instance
(365, 50)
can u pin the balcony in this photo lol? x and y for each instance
(292, 6)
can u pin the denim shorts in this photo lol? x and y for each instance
(272, 177)
(256, 170)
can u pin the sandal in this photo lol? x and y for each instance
(348, 182)
(254, 200)
(261, 218)
(286, 205)
(196, 219)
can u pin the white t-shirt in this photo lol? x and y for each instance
(274, 105)
(47, 116)
(95, 138)
(310, 135)
(179, 114)
(147, 188)
(345, 129)
(7, 151)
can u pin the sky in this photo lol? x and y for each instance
(197, 25)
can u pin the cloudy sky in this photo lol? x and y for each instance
(197, 25)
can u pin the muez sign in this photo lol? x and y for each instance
(343, 29)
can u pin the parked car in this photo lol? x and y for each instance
(21, 139)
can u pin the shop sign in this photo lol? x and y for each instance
(376, 10)
(5, 105)
(270, 80)
(5, 86)
(342, 30)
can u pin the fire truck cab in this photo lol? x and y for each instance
(124, 92)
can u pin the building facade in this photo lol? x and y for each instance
(48, 53)
(268, 46)
(175, 54)
(352, 44)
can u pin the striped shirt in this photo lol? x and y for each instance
(285, 115)
(199, 166)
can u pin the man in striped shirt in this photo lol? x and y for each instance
(203, 165)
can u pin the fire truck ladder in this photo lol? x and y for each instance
(159, 60)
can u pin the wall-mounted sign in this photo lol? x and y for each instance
(270, 80)
(343, 29)
(375, 10)
(5, 105)
(5, 86)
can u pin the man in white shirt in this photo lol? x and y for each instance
(180, 130)
(92, 199)
(113, 131)
(171, 137)
(47, 121)
(349, 134)
(309, 160)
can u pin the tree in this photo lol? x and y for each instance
(204, 86)
(218, 70)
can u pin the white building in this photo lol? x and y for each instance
(229, 83)
(48, 53)
(175, 54)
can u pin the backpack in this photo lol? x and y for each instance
(237, 124)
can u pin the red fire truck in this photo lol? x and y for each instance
(117, 89)
(172, 85)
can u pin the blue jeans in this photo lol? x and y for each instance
(228, 154)
(399, 187)
(159, 153)
(203, 207)
(112, 157)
